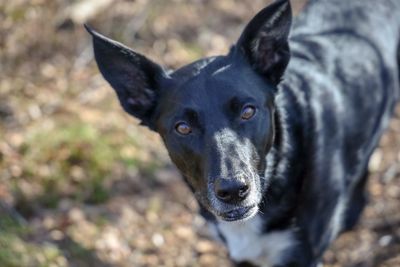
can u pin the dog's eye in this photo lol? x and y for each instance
(183, 128)
(248, 112)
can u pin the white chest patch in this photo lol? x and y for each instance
(246, 242)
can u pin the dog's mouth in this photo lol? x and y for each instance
(239, 214)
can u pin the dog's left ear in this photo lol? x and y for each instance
(264, 41)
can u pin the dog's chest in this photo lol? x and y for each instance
(246, 242)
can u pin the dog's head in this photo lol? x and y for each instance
(216, 115)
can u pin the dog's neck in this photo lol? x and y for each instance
(278, 207)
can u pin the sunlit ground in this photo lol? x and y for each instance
(82, 185)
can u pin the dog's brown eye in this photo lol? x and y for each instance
(248, 112)
(183, 128)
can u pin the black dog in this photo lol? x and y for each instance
(275, 153)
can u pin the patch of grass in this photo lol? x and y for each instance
(16, 251)
(73, 161)
(98, 194)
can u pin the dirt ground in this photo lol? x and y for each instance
(82, 185)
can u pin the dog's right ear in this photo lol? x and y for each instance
(135, 79)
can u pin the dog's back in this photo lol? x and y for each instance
(343, 80)
(351, 49)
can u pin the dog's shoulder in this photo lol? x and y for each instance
(377, 23)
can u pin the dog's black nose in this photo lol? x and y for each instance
(231, 190)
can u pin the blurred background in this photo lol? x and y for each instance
(81, 184)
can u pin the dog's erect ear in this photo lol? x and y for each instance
(135, 79)
(264, 41)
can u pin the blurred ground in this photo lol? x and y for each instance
(82, 185)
